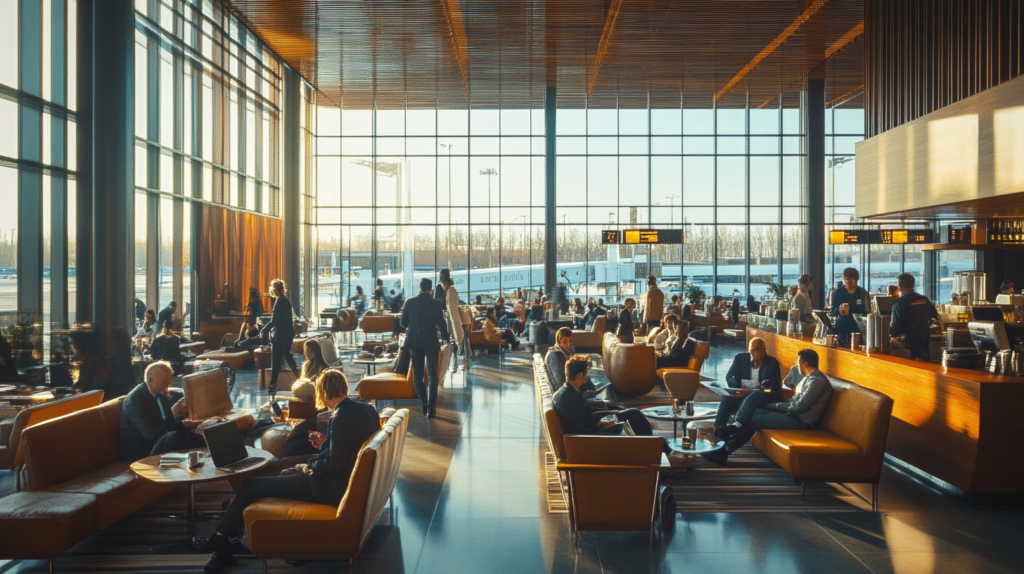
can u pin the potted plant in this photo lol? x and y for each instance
(695, 295)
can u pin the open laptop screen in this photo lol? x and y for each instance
(225, 443)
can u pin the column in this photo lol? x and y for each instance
(814, 187)
(550, 232)
(291, 192)
(30, 178)
(113, 162)
(83, 206)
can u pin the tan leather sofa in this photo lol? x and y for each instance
(237, 360)
(280, 528)
(12, 457)
(395, 386)
(75, 484)
(631, 369)
(847, 446)
(592, 340)
(592, 470)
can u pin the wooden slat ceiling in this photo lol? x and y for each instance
(598, 53)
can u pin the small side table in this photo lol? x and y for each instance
(149, 468)
(667, 413)
(371, 364)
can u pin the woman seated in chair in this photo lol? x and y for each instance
(315, 362)
(496, 335)
(324, 480)
(678, 348)
(249, 337)
(659, 336)
(147, 328)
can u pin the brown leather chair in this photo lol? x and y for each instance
(377, 324)
(395, 386)
(631, 369)
(591, 341)
(280, 528)
(613, 481)
(847, 446)
(237, 360)
(206, 395)
(12, 457)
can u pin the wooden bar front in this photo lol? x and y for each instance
(958, 425)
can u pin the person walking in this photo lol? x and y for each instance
(282, 333)
(422, 319)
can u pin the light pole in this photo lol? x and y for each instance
(448, 241)
(671, 213)
(489, 172)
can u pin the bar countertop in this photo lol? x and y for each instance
(957, 425)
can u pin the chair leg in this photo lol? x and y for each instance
(351, 564)
(264, 566)
(51, 565)
(874, 498)
(803, 490)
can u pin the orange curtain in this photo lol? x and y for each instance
(239, 251)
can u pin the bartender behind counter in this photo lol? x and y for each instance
(912, 314)
(847, 301)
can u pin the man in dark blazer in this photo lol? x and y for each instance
(149, 423)
(282, 334)
(324, 480)
(769, 377)
(167, 314)
(422, 319)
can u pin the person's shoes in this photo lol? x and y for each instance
(432, 413)
(719, 457)
(727, 431)
(219, 560)
(424, 408)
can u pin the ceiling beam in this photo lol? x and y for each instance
(457, 31)
(772, 46)
(854, 33)
(845, 97)
(605, 43)
(848, 37)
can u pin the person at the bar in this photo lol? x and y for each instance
(756, 366)
(848, 300)
(1006, 287)
(912, 315)
(802, 299)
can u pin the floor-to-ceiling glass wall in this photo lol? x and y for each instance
(206, 131)
(402, 193)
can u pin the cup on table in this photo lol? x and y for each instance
(323, 421)
(702, 434)
(193, 459)
(691, 434)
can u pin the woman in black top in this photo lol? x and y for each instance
(254, 309)
(734, 312)
(167, 347)
(624, 331)
(678, 348)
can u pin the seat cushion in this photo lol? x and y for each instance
(387, 386)
(42, 526)
(118, 491)
(236, 360)
(813, 454)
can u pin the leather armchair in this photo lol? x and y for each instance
(237, 360)
(377, 324)
(206, 395)
(847, 446)
(279, 528)
(630, 368)
(395, 386)
(590, 341)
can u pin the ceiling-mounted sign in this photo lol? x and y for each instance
(643, 237)
(880, 236)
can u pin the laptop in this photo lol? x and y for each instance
(227, 448)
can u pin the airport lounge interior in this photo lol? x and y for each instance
(509, 245)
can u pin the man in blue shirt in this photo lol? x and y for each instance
(848, 301)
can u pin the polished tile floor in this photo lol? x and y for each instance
(471, 498)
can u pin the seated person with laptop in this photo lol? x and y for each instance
(323, 481)
(150, 424)
(751, 370)
(577, 418)
(761, 410)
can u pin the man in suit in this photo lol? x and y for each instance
(654, 305)
(149, 424)
(422, 319)
(323, 480)
(167, 313)
(761, 410)
(754, 365)
(282, 334)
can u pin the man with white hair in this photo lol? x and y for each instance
(150, 424)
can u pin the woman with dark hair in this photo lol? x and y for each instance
(358, 301)
(250, 337)
(734, 312)
(167, 347)
(315, 363)
(254, 310)
(752, 305)
(496, 335)
(148, 327)
(678, 348)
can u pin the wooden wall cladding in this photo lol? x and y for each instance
(969, 151)
(954, 424)
(923, 55)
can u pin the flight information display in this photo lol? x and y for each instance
(643, 236)
(880, 236)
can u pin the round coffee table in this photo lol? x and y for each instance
(702, 446)
(667, 413)
(149, 468)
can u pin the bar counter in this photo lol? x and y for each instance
(958, 425)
